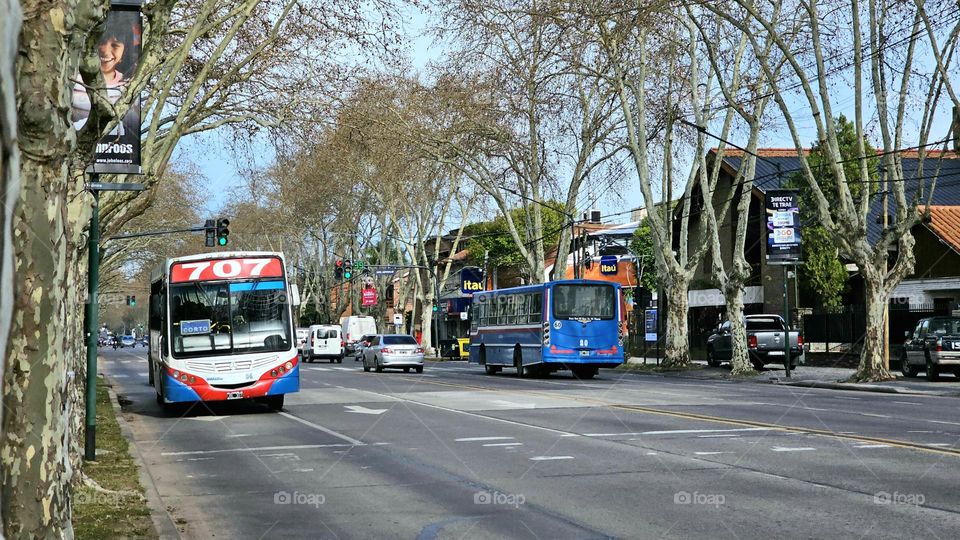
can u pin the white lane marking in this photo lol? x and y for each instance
(318, 368)
(871, 446)
(940, 444)
(571, 435)
(711, 453)
(942, 422)
(915, 431)
(125, 361)
(549, 458)
(207, 418)
(682, 431)
(475, 415)
(360, 409)
(873, 415)
(718, 435)
(787, 449)
(255, 449)
(908, 403)
(848, 397)
(328, 431)
(513, 405)
(475, 439)
(118, 376)
(239, 435)
(505, 444)
(651, 453)
(344, 369)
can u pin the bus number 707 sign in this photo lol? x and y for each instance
(225, 269)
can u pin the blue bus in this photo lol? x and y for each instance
(538, 329)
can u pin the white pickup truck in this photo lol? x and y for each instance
(765, 342)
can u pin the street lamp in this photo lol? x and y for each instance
(93, 277)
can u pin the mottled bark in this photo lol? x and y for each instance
(9, 171)
(677, 339)
(739, 359)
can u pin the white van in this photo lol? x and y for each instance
(325, 342)
(354, 327)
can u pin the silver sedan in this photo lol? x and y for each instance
(393, 351)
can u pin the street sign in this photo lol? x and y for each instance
(783, 226)
(398, 319)
(385, 270)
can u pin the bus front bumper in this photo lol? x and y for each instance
(175, 391)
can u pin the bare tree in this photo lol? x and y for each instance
(893, 52)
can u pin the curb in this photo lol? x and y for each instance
(162, 521)
(864, 388)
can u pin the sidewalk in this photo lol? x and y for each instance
(816, 377)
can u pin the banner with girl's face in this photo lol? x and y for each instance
(119, 53)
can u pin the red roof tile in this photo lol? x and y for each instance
(945, 223)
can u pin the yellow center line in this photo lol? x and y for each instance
(715, 419)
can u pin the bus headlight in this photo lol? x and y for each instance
(183, 377)
(176, 374)
(193, 379)
(273, 373)
(289, 366)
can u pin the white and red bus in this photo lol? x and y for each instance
(221, 329)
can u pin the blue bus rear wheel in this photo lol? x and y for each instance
(518, 361)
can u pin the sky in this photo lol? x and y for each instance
(222, 167)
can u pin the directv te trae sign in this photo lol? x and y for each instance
(471, 280)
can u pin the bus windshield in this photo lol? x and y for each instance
(584, 302)
(211, 319)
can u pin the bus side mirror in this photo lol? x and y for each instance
(294, 295)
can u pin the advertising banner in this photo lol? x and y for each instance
(368, 297)
(119, 53)
(471, 280)
(783, 226)
(650, 325)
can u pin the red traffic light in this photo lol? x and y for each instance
(339, 263)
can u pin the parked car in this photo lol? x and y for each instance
(933, 346)
(352, 328)
(356, 349)
(301, 338)
(393, 351)
(128, 341)
(323, 342)
(765, 342)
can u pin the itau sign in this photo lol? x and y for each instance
(783, 226)
(471, 280)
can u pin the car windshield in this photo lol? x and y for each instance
(584, 302)
(764, 324)
(229, 318)
(945, 327)
(399, 340)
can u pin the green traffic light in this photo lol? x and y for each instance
(348, 274)
(436, 308)
(222, 240)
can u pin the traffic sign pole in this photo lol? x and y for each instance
(93, 312)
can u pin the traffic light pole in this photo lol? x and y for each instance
(93, 308)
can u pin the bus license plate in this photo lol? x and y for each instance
(235, 395)
(584, 353)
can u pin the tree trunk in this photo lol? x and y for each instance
(740, 358)
(871, 357)
(9, 174)
(677, 343)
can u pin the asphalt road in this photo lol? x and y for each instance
(455, 453)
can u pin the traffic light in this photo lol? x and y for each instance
(222, 231)
(347, 270)
(436, 307)
(360, 266)
(128, 299)
(133, 300)
(210, 228)
(338, 270)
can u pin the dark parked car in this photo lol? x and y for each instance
(765, 342)
(933, 346)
